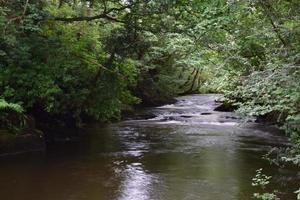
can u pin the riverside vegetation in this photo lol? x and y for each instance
(73, 61)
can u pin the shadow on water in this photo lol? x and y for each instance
(186, 151)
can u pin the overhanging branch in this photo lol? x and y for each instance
(107, 14)
(76, 19)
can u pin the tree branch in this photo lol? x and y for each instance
(76, 19)
(105, 15)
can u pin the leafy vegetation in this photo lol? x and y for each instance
(11, 116)
(261, 180)
(79, 60)
(74, 61)
(263, 64)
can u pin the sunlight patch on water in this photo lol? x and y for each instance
(137, 184)
(170, 122)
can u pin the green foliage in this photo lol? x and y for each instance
(272, 90)
(256, 60)
(75, 60)
(58, 68)
(261, 181)
(86, 59)
(298, 194)
(168, 62)
(292, 127)
(11, 116)
(82, 59)
(265, 196)
(6, 107)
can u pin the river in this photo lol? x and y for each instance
(186, 151)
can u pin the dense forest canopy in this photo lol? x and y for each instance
(77, 60)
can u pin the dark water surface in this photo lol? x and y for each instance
(187, 152)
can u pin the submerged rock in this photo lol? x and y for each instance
(225, 107)
(206, 113)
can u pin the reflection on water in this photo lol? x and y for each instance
(187, 152)
(136, 184)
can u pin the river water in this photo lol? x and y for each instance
(186, 151)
